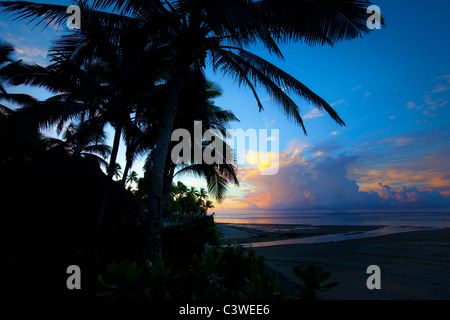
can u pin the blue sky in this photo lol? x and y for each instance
(391, 88)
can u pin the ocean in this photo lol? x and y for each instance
(389, 223)
(413, 219)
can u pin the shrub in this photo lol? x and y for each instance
(207, 276)
(312, 278)
(188, 237)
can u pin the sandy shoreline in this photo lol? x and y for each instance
(248, 233)
(414, 265)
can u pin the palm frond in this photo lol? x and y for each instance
(238, 21)
(217, 177)
(57, 14)
(5, 111)
(277, 82)
(236, 66)
(315, 22)
(19, 99)
(101, 162)
(129, 7)
(6, 49)
(46, 114)
(101, 149)
(285, 80)
(54, 143)
(42, 13)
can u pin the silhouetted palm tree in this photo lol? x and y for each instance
(180, 189)
(8, 66)
(197, 104)
(207, 205)
(117, 171)
(131, 178)
(203, 194)
(83, 140)
(194, 33)
(18, 140)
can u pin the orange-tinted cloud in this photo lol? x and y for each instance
(317, 178)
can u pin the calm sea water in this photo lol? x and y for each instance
(414, 219)
(390, 223)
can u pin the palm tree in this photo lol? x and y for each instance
(18, 140)
(207, 205)
(194, 33)
(198, 105)
(203, 194)
(132, 178)
(180, 189)
(117, 171)
(91, 87)
(193, 192)
(7, 67)
(218, 30)
(85, 140)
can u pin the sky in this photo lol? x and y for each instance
(391, 88)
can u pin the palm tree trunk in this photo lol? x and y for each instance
(112, 164)
(78, 147)
(168, 179)
(114, 152)
(125, 173)
(131, 147)
(152, 223)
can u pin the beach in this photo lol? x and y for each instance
(413, 264)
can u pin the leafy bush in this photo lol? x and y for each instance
(261, 287)
(312, 278)
(207, 276)
(188, 237)
(124, 281)
(162, 281)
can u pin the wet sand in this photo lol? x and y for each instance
(249, 233)
(414, 265)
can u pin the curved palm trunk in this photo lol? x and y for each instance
(125, 173)
(78, 147)
(112, 164)
(168, 179)
(131, 148)
(153, 223)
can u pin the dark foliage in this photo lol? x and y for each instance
(50, 206)
(183, 240)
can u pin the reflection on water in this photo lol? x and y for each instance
(389, 223)
(433, 220)
(336, 237)
(274, 227)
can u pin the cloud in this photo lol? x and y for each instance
(434, 101)
(384, 174)
(322, 184)
(314, 113)
(31, 51)
(412, 105)
(443, 84)
(337, 102)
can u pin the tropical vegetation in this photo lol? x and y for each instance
(139, 67)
